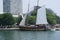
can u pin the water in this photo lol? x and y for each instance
(29, 35)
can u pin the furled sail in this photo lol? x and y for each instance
(22, 23)
(41, 16)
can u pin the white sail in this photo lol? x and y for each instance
(22, 23)
(41, 16)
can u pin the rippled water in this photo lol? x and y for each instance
(29, 35)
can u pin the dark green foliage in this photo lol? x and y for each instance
(6, 19)
(19, 20)
(1, 19)
(51, 18)
(15, 19)
(33, 13)
(31, 19)
(58, 19)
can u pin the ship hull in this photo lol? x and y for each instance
(32, 28)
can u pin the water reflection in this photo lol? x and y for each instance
(29, 35)
(6, 35)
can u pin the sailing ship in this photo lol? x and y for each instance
(41, 21)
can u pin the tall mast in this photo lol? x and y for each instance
(37, 8)
(37, 2)
(28, 11)
(37, 5)
(28, 5)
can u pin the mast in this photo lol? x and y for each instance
(28, 5)
(28, 12)
(37, 5)
(37, 9)
(37, 2)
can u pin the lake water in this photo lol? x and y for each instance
(29, 35)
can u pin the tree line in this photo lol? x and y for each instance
(6, 19)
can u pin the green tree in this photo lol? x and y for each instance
(58, 19)
(51, 18)
(1, 19)
(8, 19)
(19, 20)
(33, 13)
(31, 19)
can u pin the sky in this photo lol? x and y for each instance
(1, 6)
(52, 4)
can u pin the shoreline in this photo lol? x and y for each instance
(8, 29)
(20, 29)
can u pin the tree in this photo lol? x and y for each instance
(19, 20)
(51, 18)
(31, 19)
(33, 13)
(58, 19)
(7, 19)
(1, 19)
